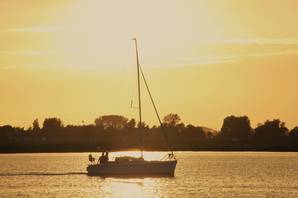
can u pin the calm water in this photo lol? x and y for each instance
(198, 174)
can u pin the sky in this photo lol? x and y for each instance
(203, 59)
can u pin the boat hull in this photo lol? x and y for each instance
(145, 168)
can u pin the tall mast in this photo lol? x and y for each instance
(140, 72)
(139, 85)
(139, 91)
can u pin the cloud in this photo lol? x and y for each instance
(254, 41)
(212, 51)
(204, 60)
(25, 53)
(227, 58)
(231, 50)
(19, 66)
(266, 54)
(36, 29)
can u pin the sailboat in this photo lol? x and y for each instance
(135, 166)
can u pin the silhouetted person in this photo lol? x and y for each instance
(107, 156)
(91, 158)
(101, 158)
(104, 158)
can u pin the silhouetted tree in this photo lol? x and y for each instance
(52, 124)
(35, 125)
(237, 128)
(131, 124)
(171, 120)
(111, 121)
(117, 132)
(294, 133)
(193, 132)
(7, 131)
(142, 125)
(271, 133)
(293, 137)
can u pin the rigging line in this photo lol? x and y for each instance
(156, 112)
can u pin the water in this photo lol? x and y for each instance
(198, 174)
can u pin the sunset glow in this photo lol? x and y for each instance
(204, 60)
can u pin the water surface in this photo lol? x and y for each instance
(198, 174)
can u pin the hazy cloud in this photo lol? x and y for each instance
(255, 41)
(36, 29)
(226, 58)
(19, 66)
(25, 53)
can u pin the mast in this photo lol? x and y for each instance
(139, 92)
(139, 73)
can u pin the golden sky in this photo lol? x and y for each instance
(204, 59)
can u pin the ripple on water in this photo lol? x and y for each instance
(198, 174)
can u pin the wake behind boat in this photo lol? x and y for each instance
(132, 166)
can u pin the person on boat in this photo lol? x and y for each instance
(104, 158)
(101, 159)
(91, 158)
(107, 156)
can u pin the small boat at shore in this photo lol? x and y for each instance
(135, 166)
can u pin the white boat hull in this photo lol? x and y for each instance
(146, 168)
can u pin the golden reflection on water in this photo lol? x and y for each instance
(125, 188)
(198, 174)
(132, 187)
(137, 187)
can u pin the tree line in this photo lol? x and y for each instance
(116, 132)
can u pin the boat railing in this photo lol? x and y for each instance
(168, 157)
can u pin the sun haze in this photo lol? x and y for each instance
(204, 60)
